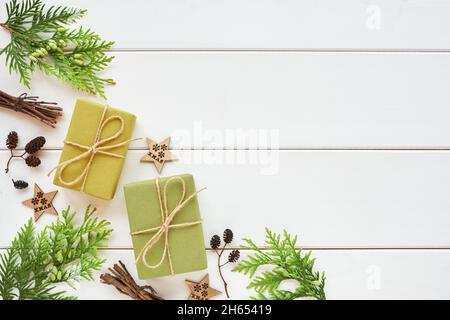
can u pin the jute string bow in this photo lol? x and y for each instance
(166, 226)
(97, 148)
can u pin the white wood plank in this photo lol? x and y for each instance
(295, 100)
(269, 24)
(374, 274)
(331, 199)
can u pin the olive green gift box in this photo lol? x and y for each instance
(186, 244)
(104, 172)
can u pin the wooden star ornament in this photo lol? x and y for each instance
(158, 153)
(41, 202)
(201, 290)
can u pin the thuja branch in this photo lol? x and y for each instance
(46, 112)
(37, 263)
(6, 28)
(285, 261)
(41, 39)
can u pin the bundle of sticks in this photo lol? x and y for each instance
(46, 112)
(122, 280)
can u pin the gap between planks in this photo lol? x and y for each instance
(275, 50)
(316, 248)
(443, 248)
(280, 50)
(406, 149)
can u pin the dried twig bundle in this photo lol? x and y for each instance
(124, 283)
(46, 112)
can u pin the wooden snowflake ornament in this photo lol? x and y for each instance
(41, 202)
(201, 290)
(158, 153)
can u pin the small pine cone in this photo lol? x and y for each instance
(35, 145)
(20, 184)
(12, 140)
(215, 241)
(227, 236)
(234, 256)
(32, 161)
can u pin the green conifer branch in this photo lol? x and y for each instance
(288, 263)
(62, 253)
(41, 39)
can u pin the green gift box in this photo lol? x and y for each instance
(94, 150)
(165, 226)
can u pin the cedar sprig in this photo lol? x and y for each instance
(46, 112)
(288, 263)
(64, 252)
(232, 257)
(31, 148)
(41, 39)
(123, 281)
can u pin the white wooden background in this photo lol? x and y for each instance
(358, 91)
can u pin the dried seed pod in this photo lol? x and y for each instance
(234, 256)
(35, 145)
(32, 161)
(20, 184)
(12, 140)
(227, 236)
(215, 241)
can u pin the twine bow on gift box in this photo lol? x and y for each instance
(98, 147)
(166, 226)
